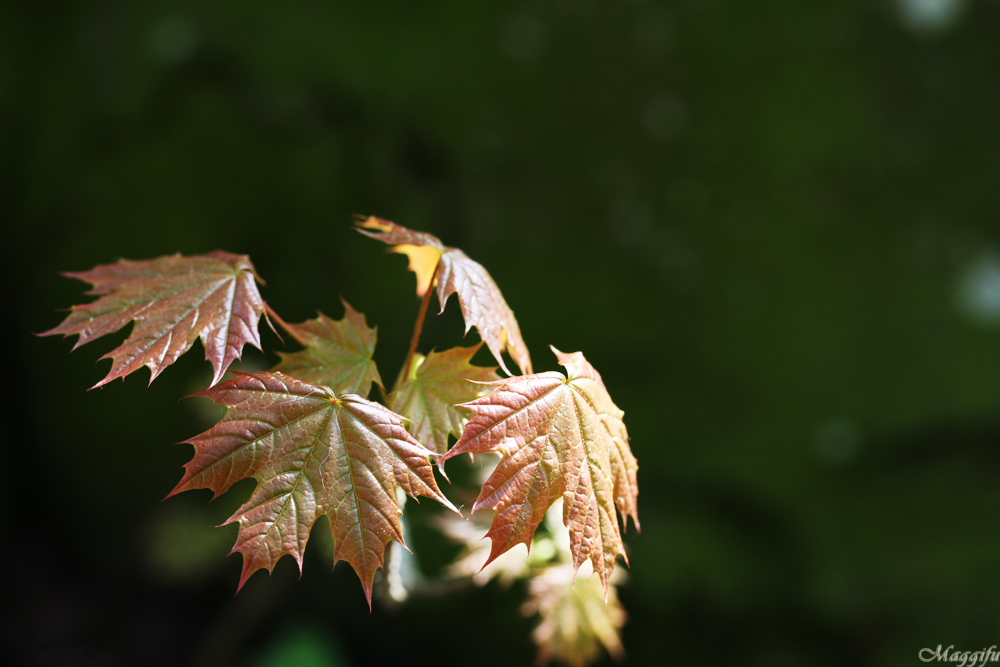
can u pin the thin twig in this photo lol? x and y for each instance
(405, 372)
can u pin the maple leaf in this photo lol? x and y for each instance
(312, 453)
(575, 617)
(479, 298)
(338, 353)
(173, 300)
(509, 567)
(429, 395)
(558, 436)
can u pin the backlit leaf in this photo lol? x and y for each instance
(312, 453)
(338, 353)
(173, 300)
(507, 568)
(428, 397)
(479, 298)
(575, 618)
(558, 437)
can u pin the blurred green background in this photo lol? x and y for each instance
(772, 226)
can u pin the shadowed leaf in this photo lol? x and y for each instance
(338, 353)
(436, 384)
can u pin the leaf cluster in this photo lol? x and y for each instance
(314, 443)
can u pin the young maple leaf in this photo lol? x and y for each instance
(507, 568)
(559, 436)
(173, 300)
(576, 617)
(338, 353)
(482, 304)
(312, 453)
(435, 384)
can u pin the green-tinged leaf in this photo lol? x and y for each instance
(436, 383)
(312, 453)
(509, 567)
(338, 353)
(173, 300)
(576, 618)
(482, 304)
(556, 436)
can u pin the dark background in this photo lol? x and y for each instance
(772, 226)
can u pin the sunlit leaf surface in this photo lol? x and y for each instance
(482, 304)
(173, 301)
(312, 453)
(559, 436)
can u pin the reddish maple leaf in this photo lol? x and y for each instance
(429, 395)
(559, 436)
(482, 304)
(173, 300)
(338, 353)
(312, 453)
